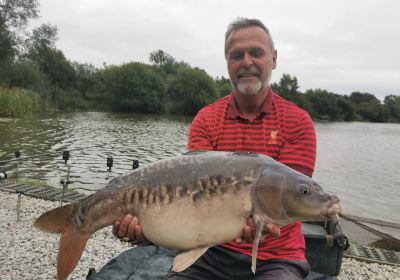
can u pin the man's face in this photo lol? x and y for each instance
(250, 59)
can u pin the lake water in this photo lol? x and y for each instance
(360, 162)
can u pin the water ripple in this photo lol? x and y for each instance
(360, 162)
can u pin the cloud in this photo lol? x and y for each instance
(341, 46)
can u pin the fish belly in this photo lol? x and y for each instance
(184, 224)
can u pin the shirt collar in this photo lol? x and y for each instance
(233, 111)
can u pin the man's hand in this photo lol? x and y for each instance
(129, 228)
(249, 231)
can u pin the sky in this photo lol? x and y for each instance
(341, 46)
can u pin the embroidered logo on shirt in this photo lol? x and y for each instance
(274, 136)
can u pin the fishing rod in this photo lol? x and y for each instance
(359, 222)
(18, 154)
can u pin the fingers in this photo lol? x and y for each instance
(139, 234)
(239, 240)
(129, 228)
(123, 227)
(249, 231)
(272, 229)
(116, 228)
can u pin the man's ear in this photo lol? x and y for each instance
(274, 59)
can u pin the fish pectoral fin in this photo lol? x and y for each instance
(187, 258)
(257, 238)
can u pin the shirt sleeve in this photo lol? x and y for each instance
(199, 138)
(299, 150)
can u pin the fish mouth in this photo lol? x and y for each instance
(332, 209)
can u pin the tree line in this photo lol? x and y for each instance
(36, 76)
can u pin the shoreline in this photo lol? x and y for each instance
(27, 253)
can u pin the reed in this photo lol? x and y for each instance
(16, 102)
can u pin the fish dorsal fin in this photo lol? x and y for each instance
(187, 258)
(195, 152)
(259, 221)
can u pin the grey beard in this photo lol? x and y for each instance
(250, 90)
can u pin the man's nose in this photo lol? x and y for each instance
(247, 60)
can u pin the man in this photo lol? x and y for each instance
(255, 119)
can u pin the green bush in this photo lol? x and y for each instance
(18, 102)
(25, 74)
(132, 87)
(189, 90)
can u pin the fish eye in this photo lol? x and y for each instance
(305, 190)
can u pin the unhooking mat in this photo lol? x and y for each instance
(144, 262)
(149, 262)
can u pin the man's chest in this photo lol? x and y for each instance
(264, 136)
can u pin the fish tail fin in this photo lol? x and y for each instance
(72, 244)
(55, 220)
(71, 248)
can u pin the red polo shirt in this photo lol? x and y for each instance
(282, 131)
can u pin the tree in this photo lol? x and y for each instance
(224, 86)
(324, 104)
(45, 35)
(84, 73)
(53, 63)
(6, 44)
(360, 97)
(346, 108)
(287, 87)
(160, 58)
(42, 51)
(132, 87)
(163, 61)
(367, 107)
(14, 17)
(371, 112)
(166, 62)
(16, 13)
(392, 106)
(25, 74)
(190, 90)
